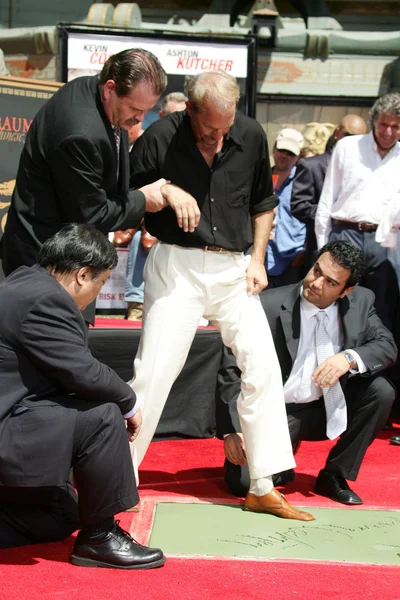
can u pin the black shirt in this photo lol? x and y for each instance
(237, 187)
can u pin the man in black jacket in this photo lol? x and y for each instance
(62, 410)
(74, 166)
(309, 180)
(359, 347)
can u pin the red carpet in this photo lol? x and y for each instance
(191, 469)
(118, 322)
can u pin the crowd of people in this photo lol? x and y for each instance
(307, 320)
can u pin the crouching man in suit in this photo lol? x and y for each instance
(62, 410)
(330, 345)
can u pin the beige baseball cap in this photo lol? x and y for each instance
(290, 139)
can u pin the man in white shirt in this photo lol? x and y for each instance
(360, 346)
(362, 178)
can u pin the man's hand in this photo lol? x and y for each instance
(256, 278)
(154, 198)
(234, 449)
(185, 206)
(329, 372)
(133, 425)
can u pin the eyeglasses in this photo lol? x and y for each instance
(287, 152)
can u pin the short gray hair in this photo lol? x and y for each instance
(217, 87)
(177, 97)
(389, 103)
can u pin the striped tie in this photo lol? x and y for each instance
(117, 135)
(335, 403)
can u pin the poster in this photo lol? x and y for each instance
(20, 100)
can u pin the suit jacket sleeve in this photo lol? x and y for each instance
(375, 344)
(303, 201)
(144, 167)
(52, 336)
(78, 169)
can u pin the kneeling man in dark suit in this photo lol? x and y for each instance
(63, 412)
(330, 345)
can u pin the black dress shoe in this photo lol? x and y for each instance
(283, 477)
(335, 487)
(395, 440)
(116, 549)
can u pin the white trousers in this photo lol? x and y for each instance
(181, 286)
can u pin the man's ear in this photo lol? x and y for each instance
(108, 87)
(189, 108)
(347, 291)
(83, 275)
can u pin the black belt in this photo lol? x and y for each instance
(363, 226)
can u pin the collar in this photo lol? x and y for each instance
(310, 310)
(234, 133)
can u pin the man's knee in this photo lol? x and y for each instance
(382, 392)
(107, 414)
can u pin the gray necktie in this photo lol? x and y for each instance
(117, 135)
(335, 403)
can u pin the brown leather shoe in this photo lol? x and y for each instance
(276, 504)
(147, 239)
(123, 237)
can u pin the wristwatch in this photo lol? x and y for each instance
(350, 359)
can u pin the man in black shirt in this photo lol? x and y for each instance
(221, 202)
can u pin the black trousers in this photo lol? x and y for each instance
(103, 474)
(369, 401)
(380, 276)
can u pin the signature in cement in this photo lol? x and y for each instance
(300, 536)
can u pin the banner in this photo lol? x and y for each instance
(20, 100)
(89, 52)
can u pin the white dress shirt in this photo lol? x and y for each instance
(358, 184)
(300, 388)
(388, 228)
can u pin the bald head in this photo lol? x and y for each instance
(350, 125)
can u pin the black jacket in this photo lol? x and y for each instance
(306, 192)
(68, 173)
(44, 362)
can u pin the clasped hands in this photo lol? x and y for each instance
(185, 206)
(330, 371)
(162, 193)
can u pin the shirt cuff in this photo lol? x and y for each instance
(360, 363)
(132, 412)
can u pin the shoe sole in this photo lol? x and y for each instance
(81, 561)
(280, 515)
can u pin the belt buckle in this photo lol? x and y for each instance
(361, 226)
